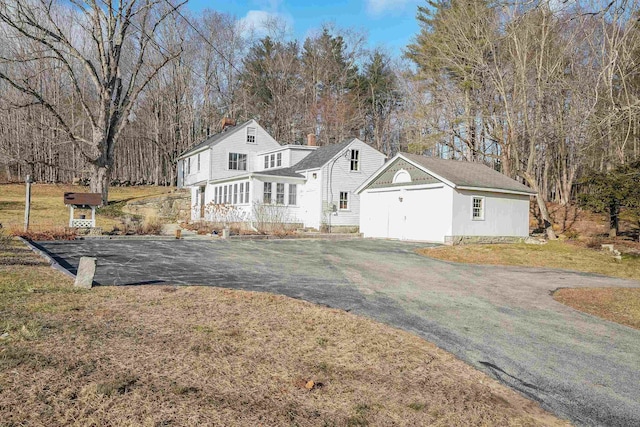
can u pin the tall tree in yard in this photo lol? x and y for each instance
(108, 52)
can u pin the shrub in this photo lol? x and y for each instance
(44, 233)
(273, 218)
(151, 225)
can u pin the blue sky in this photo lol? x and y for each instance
(388, 23)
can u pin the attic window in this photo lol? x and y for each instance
(401, 176)
(251, 135)
(355, 160)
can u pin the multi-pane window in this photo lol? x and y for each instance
(279, 159)
(189, 165)
(266, 162)
(198, 162)
(225, 199)
(355, 160)
(478, 208)
(215, 194)
(241, 196)
(280, 193)
(344, 200)
(246, 192)
(273, 160)
(235, 194)
(237, 161)
(293, 194)
(266, 194)
(251, 135)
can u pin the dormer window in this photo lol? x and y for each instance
(266, 162)
(354, 159)
(251, 135)
(279, 159)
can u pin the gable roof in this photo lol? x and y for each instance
(214, 139)
(459, 174)
(321, 155)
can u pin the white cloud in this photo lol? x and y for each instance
(377, 7)
(259, 23)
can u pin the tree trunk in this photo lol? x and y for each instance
(544, 213)
(99, 182)
(614, 213)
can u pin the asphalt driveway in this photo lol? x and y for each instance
(502, 320)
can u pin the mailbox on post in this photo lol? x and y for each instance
(82, 201)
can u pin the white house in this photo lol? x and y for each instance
(421, 198)
(244, 167)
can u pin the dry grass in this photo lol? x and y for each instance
(616, 304)
(161, 355)
(48, 211)
(556, 254)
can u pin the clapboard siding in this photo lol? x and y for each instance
(237, 143)
(339, 177)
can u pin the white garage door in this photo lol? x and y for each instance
(421, 214)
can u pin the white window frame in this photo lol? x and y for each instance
(354, 160)
(252, 135)
(346, 200)
(482, 208)
(246, 192)
(279, 159)
(266, 185)
(292, 194)
(237, 161)
(280, 194)
(266, 162)
(198, 162)
(272, 161)
(189, 166)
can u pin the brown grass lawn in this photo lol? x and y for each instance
(555, 254)
(161, 355)
(48, 210)
(616, 304)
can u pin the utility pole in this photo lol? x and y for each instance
(27, 205)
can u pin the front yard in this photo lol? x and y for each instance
(164, 355)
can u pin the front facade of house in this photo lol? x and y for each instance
(244, 174)
(445, 201)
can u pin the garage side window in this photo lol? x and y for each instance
(478, 208)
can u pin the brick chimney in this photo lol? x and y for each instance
(311, 140)
(226, 122)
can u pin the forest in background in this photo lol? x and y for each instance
(545, 92)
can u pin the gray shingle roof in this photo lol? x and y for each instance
(321, 156)
(214, 139)
(468, 174)
(281, 172)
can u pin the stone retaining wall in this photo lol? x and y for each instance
(470, 240)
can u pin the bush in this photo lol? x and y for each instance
(273, 219)
(37, 233)
(152, 225)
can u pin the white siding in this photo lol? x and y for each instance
(337, 177)
(237, 143)
(504, 214)
(423, 214)
(196, 176)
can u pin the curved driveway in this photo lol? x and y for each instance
(502, 320)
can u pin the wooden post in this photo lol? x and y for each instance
(27, 204)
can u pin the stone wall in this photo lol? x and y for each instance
(175, 206)
(470, 240)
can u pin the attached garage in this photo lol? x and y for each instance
(426, 199)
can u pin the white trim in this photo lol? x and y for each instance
(286, 147)
(496, 190)
(403, 187)
(402, 172)
(482, 207)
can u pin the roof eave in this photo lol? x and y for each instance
(495, 190)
